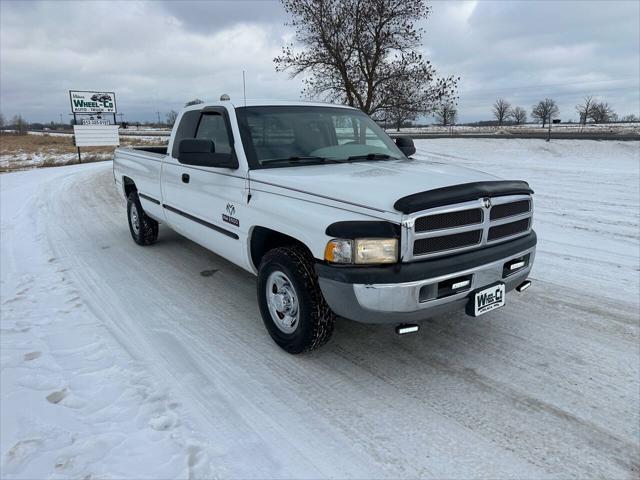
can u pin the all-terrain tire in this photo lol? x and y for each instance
(316, 320)
(146, 232)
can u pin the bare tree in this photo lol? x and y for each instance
(545, 110)
(446, 112)
(501, 110)
(172, 115)
(519, 115)
(601, 112)
(585, 109)
(364, 53)
(398, 117)
(20, 125)
(1, 121)
(630, 118)
(195, 101)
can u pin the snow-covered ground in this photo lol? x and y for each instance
(587, 204)
(127, 362)
(619, 128)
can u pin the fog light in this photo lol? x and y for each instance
(458, 285)
(523, 286)
(516, 266)
(406, 328)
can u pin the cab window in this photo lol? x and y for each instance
(213, 127)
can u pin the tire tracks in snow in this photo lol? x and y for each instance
(545, 387)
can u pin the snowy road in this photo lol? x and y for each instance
(122, 361)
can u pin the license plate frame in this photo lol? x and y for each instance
(487, 299)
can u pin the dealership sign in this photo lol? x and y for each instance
(92, 102)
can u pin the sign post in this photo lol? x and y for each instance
(555, 120)
(94, 131)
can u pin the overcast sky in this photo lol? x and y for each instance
(157, 55)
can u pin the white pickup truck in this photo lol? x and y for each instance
(332, 215)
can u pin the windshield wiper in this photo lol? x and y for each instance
(372, 156)
(298, 159)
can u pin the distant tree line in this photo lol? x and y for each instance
(17, 124)
(546, 110)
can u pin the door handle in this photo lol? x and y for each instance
(185, 178)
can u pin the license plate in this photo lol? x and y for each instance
(488, 299)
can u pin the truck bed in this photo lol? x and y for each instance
(161, 150)
(153, 152)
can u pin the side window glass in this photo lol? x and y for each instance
(212, 127)
(186, 129)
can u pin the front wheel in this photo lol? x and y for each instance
(144, 229)
(291, 303)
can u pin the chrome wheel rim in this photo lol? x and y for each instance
(283, 302)
(134, 218)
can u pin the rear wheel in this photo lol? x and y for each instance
(291, 303)
(144, 229)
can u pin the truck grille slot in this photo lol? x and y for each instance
(508, 229)
(448, 220)
(510, 209)
(446, 242)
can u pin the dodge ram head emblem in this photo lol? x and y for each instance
(229, 216)
(486, 202)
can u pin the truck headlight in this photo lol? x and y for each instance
(362, 251)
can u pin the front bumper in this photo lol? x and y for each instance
(410, 292)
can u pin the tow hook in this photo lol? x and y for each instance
(523, 286)
(407, 328)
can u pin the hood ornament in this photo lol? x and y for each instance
(486, 202)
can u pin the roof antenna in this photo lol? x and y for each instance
(244, 89)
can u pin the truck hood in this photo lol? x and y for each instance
(376, 184)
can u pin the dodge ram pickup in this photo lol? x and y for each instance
(333, 216)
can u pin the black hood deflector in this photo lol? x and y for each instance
(460, 193)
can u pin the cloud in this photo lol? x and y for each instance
(151, 59)
(207, 17)
(525, 51)
(157, 55)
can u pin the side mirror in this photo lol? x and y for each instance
(406, 146)
(200, 152)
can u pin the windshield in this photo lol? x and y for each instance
(303, 135)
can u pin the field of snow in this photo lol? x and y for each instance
(587, 204)
(127, 362)
(617, 128)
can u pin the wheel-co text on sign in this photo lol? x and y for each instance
(92, 102)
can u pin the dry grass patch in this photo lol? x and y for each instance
(20, 152)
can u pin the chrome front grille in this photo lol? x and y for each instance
(465, 226)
